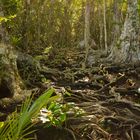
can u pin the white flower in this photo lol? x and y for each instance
(45, 112)
(43, 119)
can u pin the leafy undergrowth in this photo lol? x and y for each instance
(47, 110)
(18, 124)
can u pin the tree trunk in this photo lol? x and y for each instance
(87, 31)
(3, 33)
(9, 72)
(11, 85)
(129, 49)
(10, 82)
(105, 31)
(100, 27)
(11, 91)
(116, 20)
(129, 41)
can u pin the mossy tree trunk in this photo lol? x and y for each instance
(128, 46)
(129, 38)
(11, 91)
(8, 70)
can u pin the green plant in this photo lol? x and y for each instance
(18, 124)
(56, 113)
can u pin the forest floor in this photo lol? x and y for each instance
(107, 92)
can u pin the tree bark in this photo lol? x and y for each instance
(11, 85)
(128, 50)
(87, 31)
(9, 71)
(129, 41)
(105, 31)
(12, 89)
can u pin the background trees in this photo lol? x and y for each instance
(36, 25)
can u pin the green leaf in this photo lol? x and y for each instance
(1, 124)
(63, 117)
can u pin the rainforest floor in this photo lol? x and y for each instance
(107, 92)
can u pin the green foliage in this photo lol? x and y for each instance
(56, 114)
(37, 25)
(10, 7)
(6, 19)
(43, 23)
(18, 124)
